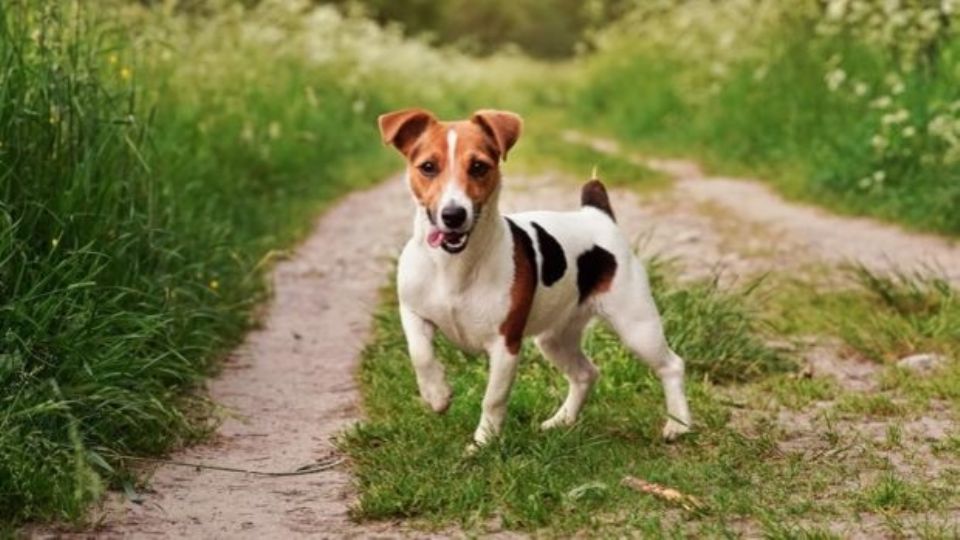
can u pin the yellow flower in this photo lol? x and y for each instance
(214, 284)
(113, 59)
(125, 73)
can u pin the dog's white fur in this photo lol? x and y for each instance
(468, 295)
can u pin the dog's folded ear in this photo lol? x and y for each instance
(401, 128)
(503, 126)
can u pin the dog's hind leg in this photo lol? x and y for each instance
(563, 348)
(630, 309)
(430, 374)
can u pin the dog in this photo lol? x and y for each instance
(487, 280)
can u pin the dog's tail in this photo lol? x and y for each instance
(595, 195)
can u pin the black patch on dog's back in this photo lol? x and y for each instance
(553, 260)
(595, 270)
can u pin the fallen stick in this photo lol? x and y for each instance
(687, 502)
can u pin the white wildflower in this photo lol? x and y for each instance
(860, 89)
(881, 102)
(898, 117)
(835, 78)
(273, 130)
(909, 132)
(247, 133)
(879, 142)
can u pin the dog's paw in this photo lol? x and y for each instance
(437, 397)
(559, 420)
(674, 429)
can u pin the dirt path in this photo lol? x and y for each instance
(290, 387)
(793, 233)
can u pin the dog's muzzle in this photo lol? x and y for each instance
(454, 230)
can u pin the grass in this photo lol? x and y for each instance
(543, 148)
(873, 143)
(140, 204)
(775, 452)
(411, 464)
(878, 317)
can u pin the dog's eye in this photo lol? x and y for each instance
(478, 169)
(428, 168)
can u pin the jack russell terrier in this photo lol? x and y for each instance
(487, 280)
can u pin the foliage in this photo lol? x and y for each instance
(853, 104)
(546, 29)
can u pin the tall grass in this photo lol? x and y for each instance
(853, 104)
(150, 163)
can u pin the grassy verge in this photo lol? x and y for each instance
(851, 106)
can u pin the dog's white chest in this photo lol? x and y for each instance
(469, 318)
(468, 313)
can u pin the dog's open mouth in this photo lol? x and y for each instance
(451, 242)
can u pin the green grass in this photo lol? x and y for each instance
(763, 106)
(139, 208)
(752, 459)
(411, 464)
(879, 317)
(543, 148)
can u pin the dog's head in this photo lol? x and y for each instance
(453, 167)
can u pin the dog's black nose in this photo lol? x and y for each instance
(453, 216)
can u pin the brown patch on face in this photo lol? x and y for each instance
(475, 163)
(523, 289)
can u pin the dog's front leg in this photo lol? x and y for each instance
(503, 369)
(430, 375)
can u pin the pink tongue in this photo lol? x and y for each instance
(434, 237)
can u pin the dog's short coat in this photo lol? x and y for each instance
(486, 280)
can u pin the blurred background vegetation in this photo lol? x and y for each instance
(551, 29)
(155, 155)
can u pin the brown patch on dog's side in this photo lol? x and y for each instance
(595, 194)
(523, 289)
(595, 271)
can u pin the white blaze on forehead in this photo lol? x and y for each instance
(452, 149)
(453, 194)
